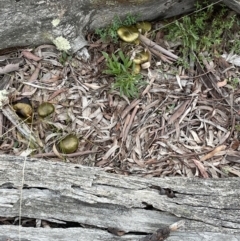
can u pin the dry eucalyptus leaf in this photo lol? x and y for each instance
(9, 68)
(201, 168)
(30, 55)
(212, 153)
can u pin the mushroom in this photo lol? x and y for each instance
(141, 57)
(136, 69)
(45, 109)
(69, 144)
(144, 26)
(128, 33)
(23, 108)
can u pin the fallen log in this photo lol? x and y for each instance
(32, 23)
(97, 202)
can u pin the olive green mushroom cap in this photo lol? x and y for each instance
(23, 107)
(45, 109)
(141, 57)
(128, 33)
(144, 26)
(69, 144)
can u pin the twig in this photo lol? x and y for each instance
(153, 45)
(38, 86)
(148, 86)
(164, 58)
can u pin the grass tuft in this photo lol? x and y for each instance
(122, 68)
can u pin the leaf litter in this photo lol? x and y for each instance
(180, 125)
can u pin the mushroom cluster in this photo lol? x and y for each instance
(130, 34)
(23, 108)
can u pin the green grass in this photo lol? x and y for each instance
(122, 68)
(207, 30)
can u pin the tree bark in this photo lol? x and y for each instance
(99, 201)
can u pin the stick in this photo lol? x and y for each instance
(153, 45)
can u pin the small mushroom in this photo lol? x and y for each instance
(23, 108)
(136, 68)
(45, 109)
(141, 57)
(69, 144)
(128, 33)
(144, 26)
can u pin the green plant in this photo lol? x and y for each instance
(234, 82)
(235, 46)
(237, 127)
(64, 57)
(202, 31)
(109, 33)
(122, 68)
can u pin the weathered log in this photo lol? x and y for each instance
(100, 201)
(29, 22)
